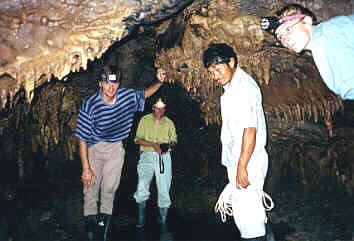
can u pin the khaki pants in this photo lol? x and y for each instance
(106, 161)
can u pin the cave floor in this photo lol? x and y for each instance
(53, 211)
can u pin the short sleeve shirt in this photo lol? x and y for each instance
(241, 107)
(332, 47)
(149, 130)
(98, 121)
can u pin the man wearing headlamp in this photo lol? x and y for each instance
(104, 121)
(156, 134)
(331, 43)
(243, 138)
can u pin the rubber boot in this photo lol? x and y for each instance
(269, 233)
(141, 215)
(163, 215)
(104, 226)
(263, 238)
(162, 219)
(91, 226)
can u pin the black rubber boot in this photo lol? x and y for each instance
(163, 215)
(104, 226)
(141, 215)
(91, 227)
(162, 219)
(269, 233)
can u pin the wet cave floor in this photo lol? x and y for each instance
(51, 210)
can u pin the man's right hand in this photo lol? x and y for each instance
(88, 178)
(157, 148)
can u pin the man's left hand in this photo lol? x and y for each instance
(242, 178)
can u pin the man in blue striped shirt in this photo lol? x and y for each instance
(105, 119)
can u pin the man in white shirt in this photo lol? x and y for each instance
(243, 137)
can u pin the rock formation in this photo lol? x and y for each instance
(276, 71)
(51, 40)
(54, 37)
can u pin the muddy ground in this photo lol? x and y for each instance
(50, 208)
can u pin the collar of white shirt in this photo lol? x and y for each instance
(235, 78)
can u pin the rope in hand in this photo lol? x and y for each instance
(224, 203)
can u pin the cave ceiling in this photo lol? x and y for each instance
(41, 39)
(292, 88)
(44, 38)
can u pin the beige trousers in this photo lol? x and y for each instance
(106, 161)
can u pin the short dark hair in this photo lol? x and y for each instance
(157, 97)
(218, 54)
(110, 69)
(295, 8)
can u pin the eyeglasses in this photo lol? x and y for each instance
(288, 30)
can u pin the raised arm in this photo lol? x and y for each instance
(154, 87)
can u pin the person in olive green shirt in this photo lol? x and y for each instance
(156, 134)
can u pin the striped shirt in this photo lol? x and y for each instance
(98, 121)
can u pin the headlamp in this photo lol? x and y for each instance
(111, 78)
(159, 104)
(217, 60)
(270, 24)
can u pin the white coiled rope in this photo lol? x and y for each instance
(224, 203)
(266, 196)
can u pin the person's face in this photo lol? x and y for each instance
(109, 89)
(222, 73)
(159, 112)
(295, 34)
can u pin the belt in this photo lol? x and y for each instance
(161, 163)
